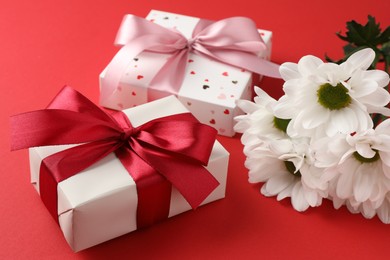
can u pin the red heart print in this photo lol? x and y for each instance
(226, 112)
(133, 93)
(206, 80)
(225, 74)
(192, 72)
(140, 77)
(190, 60)
(222, 96)
(212, 121)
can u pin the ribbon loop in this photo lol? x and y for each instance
(162, 152)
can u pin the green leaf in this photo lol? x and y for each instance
(349, 49)
(384, 37)
(386, 55)
(344, 38)
(356, 33)
(387, 64)
(328, 59)
(371, 30)
(366, 36)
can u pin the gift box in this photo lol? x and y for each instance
(102, 201)
(209, 88)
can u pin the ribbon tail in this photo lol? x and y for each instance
(169, 78)
(153, 190)
(194, 182)
(267, 68)
(244, 60)
(190, 178)
(48, 191)
(64, 164)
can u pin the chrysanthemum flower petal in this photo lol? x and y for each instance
(344, 121)
(278, 183)
(310, 118)
(368, 210)
(363, 88)
(383, 211)
(308, 65)
(379, 76)
(332, 73)
(363, 182)
(298, 199)
(364, 149)
(287, 192)
(379, 98)
(263, 169)
(284, 110)
(385, 157)
(359, 60)
(289, 70)
(337, 202)
(344, 188)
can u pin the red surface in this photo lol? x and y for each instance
(46, 44)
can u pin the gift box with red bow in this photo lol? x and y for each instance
(104, 173)
(207, 65)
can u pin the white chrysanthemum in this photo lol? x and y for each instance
(326, 98)
(284, 166)
(259, 121)
(367, 208)
(358, 167)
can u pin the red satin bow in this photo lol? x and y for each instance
(164, 151)
(234, 41)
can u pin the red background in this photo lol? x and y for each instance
(46, 44)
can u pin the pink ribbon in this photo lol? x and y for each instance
(234, 41)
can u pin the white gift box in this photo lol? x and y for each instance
(209, 90)
(100, 203)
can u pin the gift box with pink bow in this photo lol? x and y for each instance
(207, 65)
(124, 169)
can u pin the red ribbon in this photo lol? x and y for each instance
(160, 153)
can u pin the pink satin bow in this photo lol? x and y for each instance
(234, 41)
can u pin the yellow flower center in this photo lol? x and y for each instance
(291, 168)
(362, 159)
(333, 97)
(281, 124)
